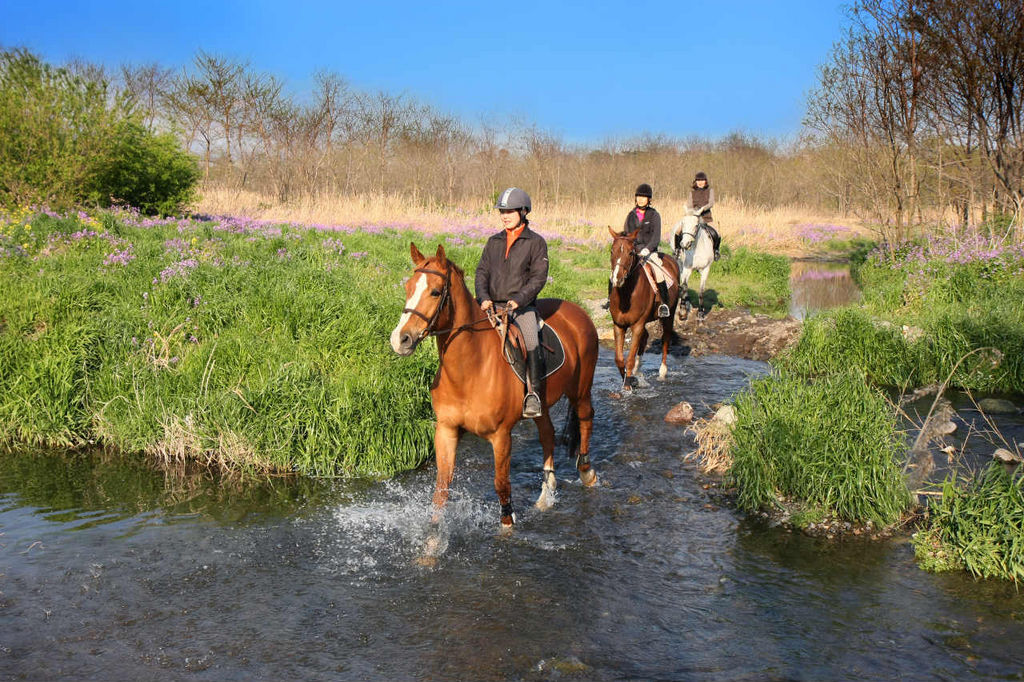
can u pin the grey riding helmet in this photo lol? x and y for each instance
(514, 199)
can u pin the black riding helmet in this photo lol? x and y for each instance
(643, 190)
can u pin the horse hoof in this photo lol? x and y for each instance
(662, 373)
(630, 383)
(588, 478)
(508, 523)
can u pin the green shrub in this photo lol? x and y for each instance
(150, 172)
(979, 528)
(831, 444)
(68, 140)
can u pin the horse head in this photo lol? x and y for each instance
(427, 300)
(623, 257)
(687, 229)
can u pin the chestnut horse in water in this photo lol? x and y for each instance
(633, 302)
(476, 390)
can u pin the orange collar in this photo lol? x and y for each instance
(510, 238)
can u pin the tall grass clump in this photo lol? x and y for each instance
(830, 444)
(978, 528)
(248, 345)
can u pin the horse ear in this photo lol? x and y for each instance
(440, 253)
(417, 257)
(613, 233)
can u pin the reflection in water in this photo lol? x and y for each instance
(818, 285)
(647, 576)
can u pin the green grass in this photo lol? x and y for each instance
(831, 444)
(978, 528)
(747, 279)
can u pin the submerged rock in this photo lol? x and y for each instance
(680, 414)
(997, 406)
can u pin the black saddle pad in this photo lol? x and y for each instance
(550, 345)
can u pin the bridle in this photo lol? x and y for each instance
(445, 299)
(695, 235)
(635, 259)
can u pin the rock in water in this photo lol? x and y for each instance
(680, 414)
(1006, 457)
(997, 406)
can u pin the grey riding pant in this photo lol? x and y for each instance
(526, 320)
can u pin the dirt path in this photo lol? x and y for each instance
(733, 332)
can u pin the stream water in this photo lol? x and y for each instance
(110, 570)
(818, 285)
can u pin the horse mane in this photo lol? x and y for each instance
(452, 265)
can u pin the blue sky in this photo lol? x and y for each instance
(586, 71)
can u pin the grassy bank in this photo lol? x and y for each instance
(818, 439)
(247, 344)
(925, 307)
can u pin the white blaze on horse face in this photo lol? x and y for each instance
(615, 275)
(414, 300)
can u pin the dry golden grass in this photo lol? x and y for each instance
(771, 230)
(714, 442)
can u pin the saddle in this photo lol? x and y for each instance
(649, 271)
(515, 346)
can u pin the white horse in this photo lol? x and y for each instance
(695, 251)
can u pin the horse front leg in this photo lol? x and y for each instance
(501, 443)
(620, 344)
(446, 441)
(700, 296)
(684, 295)
(636, 349)
(546, 433)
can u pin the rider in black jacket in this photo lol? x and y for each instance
(513, 269)
(645, 220)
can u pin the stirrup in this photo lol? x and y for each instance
(663, 310)
(531, 406)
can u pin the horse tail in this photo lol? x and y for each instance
(571, 432)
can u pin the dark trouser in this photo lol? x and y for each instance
(716, 239)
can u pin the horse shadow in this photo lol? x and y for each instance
(678, 346)
(710, 299)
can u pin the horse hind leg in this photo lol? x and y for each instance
(546, 432)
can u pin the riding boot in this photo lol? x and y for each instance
(716, 240)
(663, 310)
(532, 406)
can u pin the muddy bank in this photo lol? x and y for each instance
(735, 332)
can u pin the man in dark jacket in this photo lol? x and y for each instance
(645, 220)
(512, 270)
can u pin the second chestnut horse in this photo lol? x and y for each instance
(633, 302)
